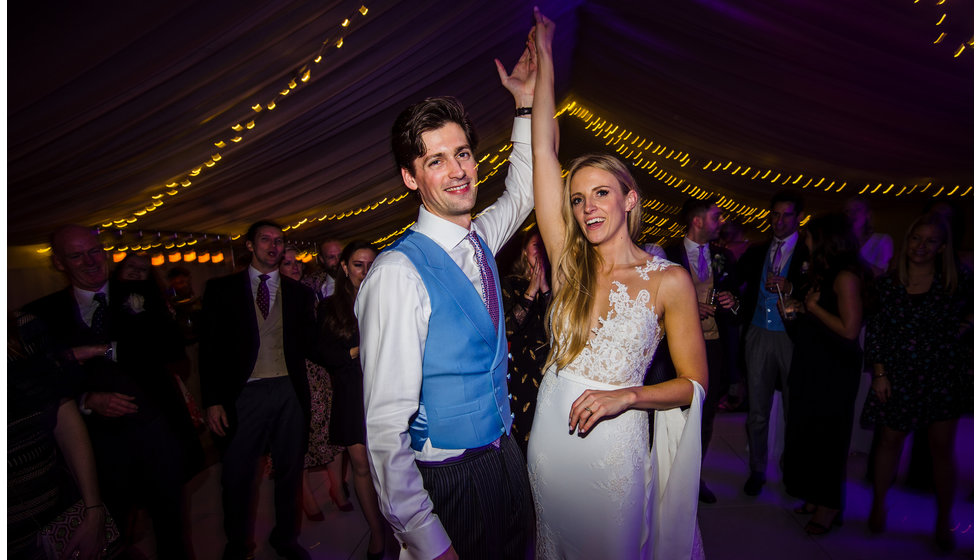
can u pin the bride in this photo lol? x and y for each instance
(599, 491)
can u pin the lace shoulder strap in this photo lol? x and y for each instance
(654, 264)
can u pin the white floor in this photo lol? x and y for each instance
(737, 527)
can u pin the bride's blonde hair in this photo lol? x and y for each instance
(577, 268)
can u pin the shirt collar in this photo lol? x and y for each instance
(85, 297)
(253, 275)
(788, 241)
(445, 233)
(691, 245)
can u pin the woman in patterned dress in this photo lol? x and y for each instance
(526, 296)
(918, 344)
(319, 452)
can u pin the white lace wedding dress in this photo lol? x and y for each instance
(607, 495)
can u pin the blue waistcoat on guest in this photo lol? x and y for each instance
(766, 315)
(464, 402)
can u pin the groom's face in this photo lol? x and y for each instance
(445, 175)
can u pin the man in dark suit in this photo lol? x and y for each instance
(144, 443)
(258, 329)
(716, 280)
(772, 270)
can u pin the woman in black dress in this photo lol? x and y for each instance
(339, 345)
(526, 296)
(919, 346)
(824, 373)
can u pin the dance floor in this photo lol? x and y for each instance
(736, 527)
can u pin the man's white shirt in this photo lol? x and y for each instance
(393, 311)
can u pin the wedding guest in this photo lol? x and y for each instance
(919, 346)
(716, 283)
(319, 452)
(876, 248)
(771, 270)
(323, 281)
(134, 266)
(825, 371)
(145, 445)
(732, 237)
(430, 310)
(339, 347)
(526, 295)
(257, 333)
(44, 428)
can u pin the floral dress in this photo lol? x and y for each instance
(917, 337)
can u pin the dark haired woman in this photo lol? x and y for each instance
(339, 345)
(526, 296)
(919, 347)
(824, 373)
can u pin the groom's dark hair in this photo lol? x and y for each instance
(433, 113)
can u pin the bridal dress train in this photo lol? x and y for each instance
(607, 494)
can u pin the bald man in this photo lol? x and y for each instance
(145, 445)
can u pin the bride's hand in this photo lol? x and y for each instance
(592, 406)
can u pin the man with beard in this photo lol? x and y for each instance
(715, 278)
(323, 282)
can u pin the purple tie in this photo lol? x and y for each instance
(486, 276)
(776, 257)
(262, 296)
(702, 264)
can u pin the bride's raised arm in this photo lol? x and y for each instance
(544, 143)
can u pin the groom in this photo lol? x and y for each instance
(450, 479)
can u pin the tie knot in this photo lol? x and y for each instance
(100, 297)
(263, 277)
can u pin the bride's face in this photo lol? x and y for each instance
(599, 204)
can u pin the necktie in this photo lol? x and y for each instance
(98, 317)
(486, 276)
(262, 296)
(702, 264)
(777, 256)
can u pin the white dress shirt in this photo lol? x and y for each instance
(786, 251)
(86, 302)
(393, 309)
(272, 283)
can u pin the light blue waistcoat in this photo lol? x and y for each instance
(464, 402)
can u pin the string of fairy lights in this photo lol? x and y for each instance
(658, 160)
(959, 49)
(241, 130)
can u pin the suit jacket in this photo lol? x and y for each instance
(750, 268)
(147, 339)
(725, 278)
(230, 338)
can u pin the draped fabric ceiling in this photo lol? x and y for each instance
(109, 102)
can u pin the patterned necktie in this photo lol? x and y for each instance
(777, 256)
(702, 264)
(98, 317)
(486, 276)
(262, 296)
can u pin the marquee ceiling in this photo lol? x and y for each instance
(115, 108)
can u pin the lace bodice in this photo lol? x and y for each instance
(624, 343)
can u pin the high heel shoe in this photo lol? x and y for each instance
(806, 508)
(876, 520)
(944, 539)
(817, 529)
(344, 507)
